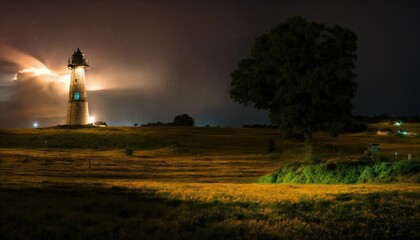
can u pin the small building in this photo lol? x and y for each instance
(383, 132)
(100, 124)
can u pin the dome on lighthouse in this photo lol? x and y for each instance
(77, 59)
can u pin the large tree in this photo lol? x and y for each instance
(303, 73)
(183, 120)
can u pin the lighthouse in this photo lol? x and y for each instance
(77, 106)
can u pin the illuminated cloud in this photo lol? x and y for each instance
(35, 93)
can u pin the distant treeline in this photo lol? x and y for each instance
(384, 118)
(356, 124)
(179, 120)
(158, 123)
(350, 126)
(260, 126)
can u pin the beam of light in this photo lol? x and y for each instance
(31, 67)
(44, 71)
(63, 77)
(21, 59)
(36, 90)
(35, 72)
(93, 86)
(46, 77)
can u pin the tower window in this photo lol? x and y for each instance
(76, 96)
(75, 80)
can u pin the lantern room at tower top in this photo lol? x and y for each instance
(78, 60)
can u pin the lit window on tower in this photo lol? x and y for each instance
(76, 96)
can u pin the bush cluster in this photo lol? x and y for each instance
(348, 173)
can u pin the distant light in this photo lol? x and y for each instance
(91, 119)
(399, 123)
(403, 132)
(35, 124)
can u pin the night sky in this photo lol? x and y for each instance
(152, 60)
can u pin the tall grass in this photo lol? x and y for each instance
(348, 173)
(117, 213)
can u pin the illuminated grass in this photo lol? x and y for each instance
(19, 166)
(156, 210)
(256, 193)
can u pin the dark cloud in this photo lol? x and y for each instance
(152, 60)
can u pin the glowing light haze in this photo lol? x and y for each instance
(152, 60)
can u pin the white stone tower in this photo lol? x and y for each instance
(77, 107)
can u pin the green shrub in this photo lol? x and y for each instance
(269, 178)
(348, 173)
(405, 167)
(367, 175)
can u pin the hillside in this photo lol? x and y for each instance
(189, 154)
(192, 183)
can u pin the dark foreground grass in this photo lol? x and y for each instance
(348, 173)
(83, 213)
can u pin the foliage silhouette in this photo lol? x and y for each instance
(302, 72)
(183, 120)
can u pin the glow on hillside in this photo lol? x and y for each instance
(91, 119)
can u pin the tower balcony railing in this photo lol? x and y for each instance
(77, 62)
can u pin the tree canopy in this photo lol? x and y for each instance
(183, 120)
(302, 72)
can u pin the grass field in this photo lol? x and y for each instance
(194, 183)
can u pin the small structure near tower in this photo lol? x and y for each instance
(77, 107)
